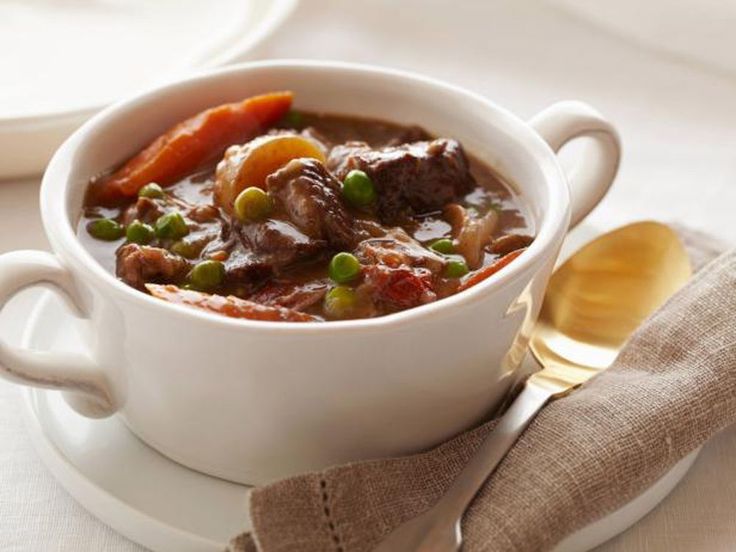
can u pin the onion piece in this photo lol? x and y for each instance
(471, 234)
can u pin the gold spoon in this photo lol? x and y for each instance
(594, 302)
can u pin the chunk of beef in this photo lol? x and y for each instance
(141, 264)
(411, 178)
(308, 219)
(278, 243)
(397, 249)
(309, 196)
(398, 288)
(245, 268)
(203, 213)
(257, 250)
(293, 296)
(144, 209)
(148, 210)
(399, 273)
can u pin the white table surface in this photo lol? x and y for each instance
(678, 124)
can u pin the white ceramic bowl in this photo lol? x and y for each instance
(252, 401)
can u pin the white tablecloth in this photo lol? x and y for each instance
(678, 123)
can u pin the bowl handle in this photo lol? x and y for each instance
(593, 175)
(87, 387)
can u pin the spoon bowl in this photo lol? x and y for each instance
(597, 299)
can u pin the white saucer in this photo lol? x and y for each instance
(165, 506)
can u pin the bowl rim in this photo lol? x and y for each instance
(56, 187)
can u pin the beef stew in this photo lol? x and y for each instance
(255, 210)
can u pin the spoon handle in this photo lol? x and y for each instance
(493, 449)
(438, 529)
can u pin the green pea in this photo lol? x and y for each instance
(139, 232)
(443, 245)
(294, 119)
(340, 302)
(105, 229)
(151, 191)
(184, 249)
(456, 269)
(207, 274)
(343, 268)
(253, 204)
(171, 226)
(358, 189)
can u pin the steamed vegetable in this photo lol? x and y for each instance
(456, 269)
(471, 233)
(443, 245)
(207, 275)
(253, 204)
(358, 189)
(171, 226)
(192, 142)
(489, 270)
(185, 249)
(343, 268)
(105, 229)
(151, 191)
(294, 119)
(230, 306)
(340, 302)
(140, 233)
(248, 165)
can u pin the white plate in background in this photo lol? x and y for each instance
(62, 60)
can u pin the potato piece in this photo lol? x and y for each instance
(249, 164)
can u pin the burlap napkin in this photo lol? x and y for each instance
(586, 455)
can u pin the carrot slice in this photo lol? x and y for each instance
(184, 147)
(231, 306)
(482, 273)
